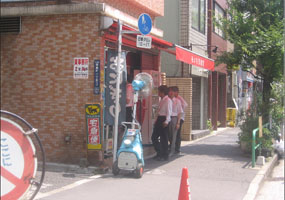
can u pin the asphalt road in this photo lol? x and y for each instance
(217, 170)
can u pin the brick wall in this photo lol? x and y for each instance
(217, 40)
(37, 79)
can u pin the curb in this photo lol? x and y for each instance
(259, 178)
(68, 168)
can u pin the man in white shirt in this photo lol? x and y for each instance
(184, 105)
(175, 119)
(161, 125)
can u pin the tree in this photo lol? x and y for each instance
(255, 27)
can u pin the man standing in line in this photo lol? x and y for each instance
(161, 125)
(129, 100)
(175, 119)
(184, 105)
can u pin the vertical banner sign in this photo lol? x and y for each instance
(80, 70)
(97, 77)
(93, 121)
(110, 92)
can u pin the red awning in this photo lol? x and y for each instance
(192, 58)
(182, 54)
(160, 43)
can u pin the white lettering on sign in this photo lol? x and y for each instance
(197, 61)
(112, 83)
(93, 127)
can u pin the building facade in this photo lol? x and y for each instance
(218, 90)
(185, 23)
(40, 80)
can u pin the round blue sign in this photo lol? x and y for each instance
(144, 24)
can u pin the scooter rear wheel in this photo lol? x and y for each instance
(139, 171)
(115, 169)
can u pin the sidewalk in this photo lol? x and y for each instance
(273, 186)
(263, 171)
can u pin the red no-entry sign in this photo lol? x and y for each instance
(18, 161)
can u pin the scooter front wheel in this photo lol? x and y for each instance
(115, 168)
(139, 171)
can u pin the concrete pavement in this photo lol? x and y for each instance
(273, 186)
(217, 170)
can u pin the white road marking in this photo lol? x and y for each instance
(67, 187)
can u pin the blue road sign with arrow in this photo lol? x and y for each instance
(144, 24)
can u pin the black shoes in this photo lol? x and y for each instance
(165, 158)
(177, 152)
(159, 158)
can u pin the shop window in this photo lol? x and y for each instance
(198, 15)
(219, 14)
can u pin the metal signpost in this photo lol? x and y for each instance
(145, 25)
(117, 90)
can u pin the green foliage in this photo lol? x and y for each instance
(266, 139)
(250, 123)
(276, 101)
(255, 27)
(209, 125)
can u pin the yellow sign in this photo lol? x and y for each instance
(92, 110)
(94, 146)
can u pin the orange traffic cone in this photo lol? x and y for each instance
(184, 192)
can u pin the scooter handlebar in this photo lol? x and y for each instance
(131, 123)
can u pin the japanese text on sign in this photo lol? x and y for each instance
(92, 113)
(93, 128)
(5, 153)
(144, 41)
(198, 61)
(97, 77)
(111, 80)
(80, 70)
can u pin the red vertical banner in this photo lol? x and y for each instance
(93, 130)
(93, 121)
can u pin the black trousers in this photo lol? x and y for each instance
(178, 137)
(129, 114)
(160, 132)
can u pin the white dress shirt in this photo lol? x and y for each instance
(176, 107)
(165, 108)
(184, 105)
